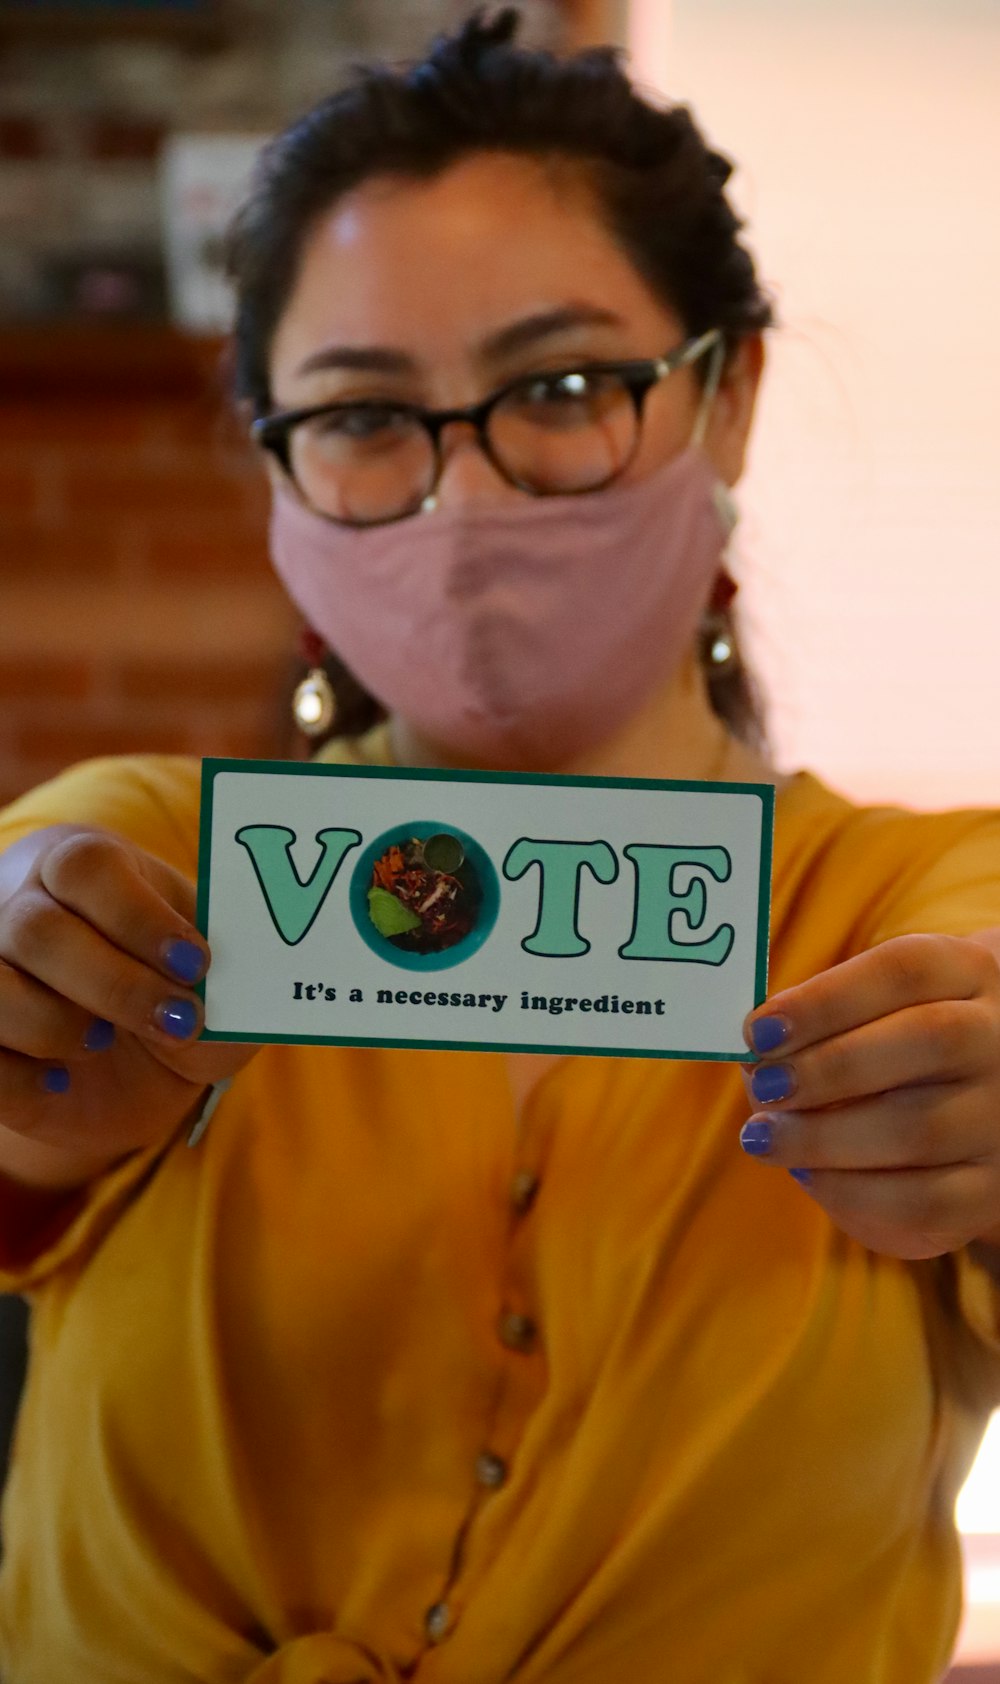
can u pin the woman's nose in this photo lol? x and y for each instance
(467, 474)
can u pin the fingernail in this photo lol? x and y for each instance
(177, 1018)
(802, 1176)
(756, 1136)
(769, 1032)
(771, 1082)
(185, 960)
(100, 1036)
(56, 1079)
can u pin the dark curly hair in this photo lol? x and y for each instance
(656, 183)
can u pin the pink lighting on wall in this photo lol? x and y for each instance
(869, 553)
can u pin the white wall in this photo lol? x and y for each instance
(868, 139)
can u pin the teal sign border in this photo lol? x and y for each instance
(211, 768)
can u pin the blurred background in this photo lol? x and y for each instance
(137, 609)
(867, 134)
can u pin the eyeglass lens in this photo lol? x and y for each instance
(563, 433)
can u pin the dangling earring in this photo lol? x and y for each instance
(314, 704)
(718, 639)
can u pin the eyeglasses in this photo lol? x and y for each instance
(367, 463)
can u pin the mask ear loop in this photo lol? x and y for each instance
(711, 388)
(725, 504)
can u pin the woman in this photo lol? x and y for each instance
(472, 1367)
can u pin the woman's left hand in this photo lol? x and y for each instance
(885, 1087)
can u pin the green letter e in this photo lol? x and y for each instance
(658, 905)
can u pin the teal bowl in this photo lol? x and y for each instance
(489, 904)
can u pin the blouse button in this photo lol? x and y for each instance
(436, 1621)
(490, 1469)
(522, 1190)
(516, 1332)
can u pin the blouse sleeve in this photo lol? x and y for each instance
(44, 1233)
(153, 800)
(949, 883)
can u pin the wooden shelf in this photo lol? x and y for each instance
(128, 360)
(205, 26)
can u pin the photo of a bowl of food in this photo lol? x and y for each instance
(424, 895)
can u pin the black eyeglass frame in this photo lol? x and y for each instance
(638, 375)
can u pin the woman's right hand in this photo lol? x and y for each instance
(98, 1020)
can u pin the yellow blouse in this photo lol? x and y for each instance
(370, 1385)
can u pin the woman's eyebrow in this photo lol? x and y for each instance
(381, 359)
(543, 323)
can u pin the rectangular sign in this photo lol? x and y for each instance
(505, 912)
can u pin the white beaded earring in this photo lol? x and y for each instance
(314, 704)
(718, 639)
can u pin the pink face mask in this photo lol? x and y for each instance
(515, 635)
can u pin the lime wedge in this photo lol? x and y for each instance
(389, 915)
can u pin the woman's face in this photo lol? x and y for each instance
(442, 290)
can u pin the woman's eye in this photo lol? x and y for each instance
(552, 387)
(571, 390)
(359, 423)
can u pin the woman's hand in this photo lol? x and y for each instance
(881, 1078)
(98, 1015)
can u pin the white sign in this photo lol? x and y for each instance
(497, 911)
(204, 179)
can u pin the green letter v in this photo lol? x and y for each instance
(293, 905)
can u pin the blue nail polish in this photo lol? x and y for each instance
(770, 1082)
(185, 960)
(756, 1137)
(100, 1036)
(178, 1018)
(768, 1033)
(802, 1176)
(56, 1079)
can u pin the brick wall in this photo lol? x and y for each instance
(137, 607)
(85, 108)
